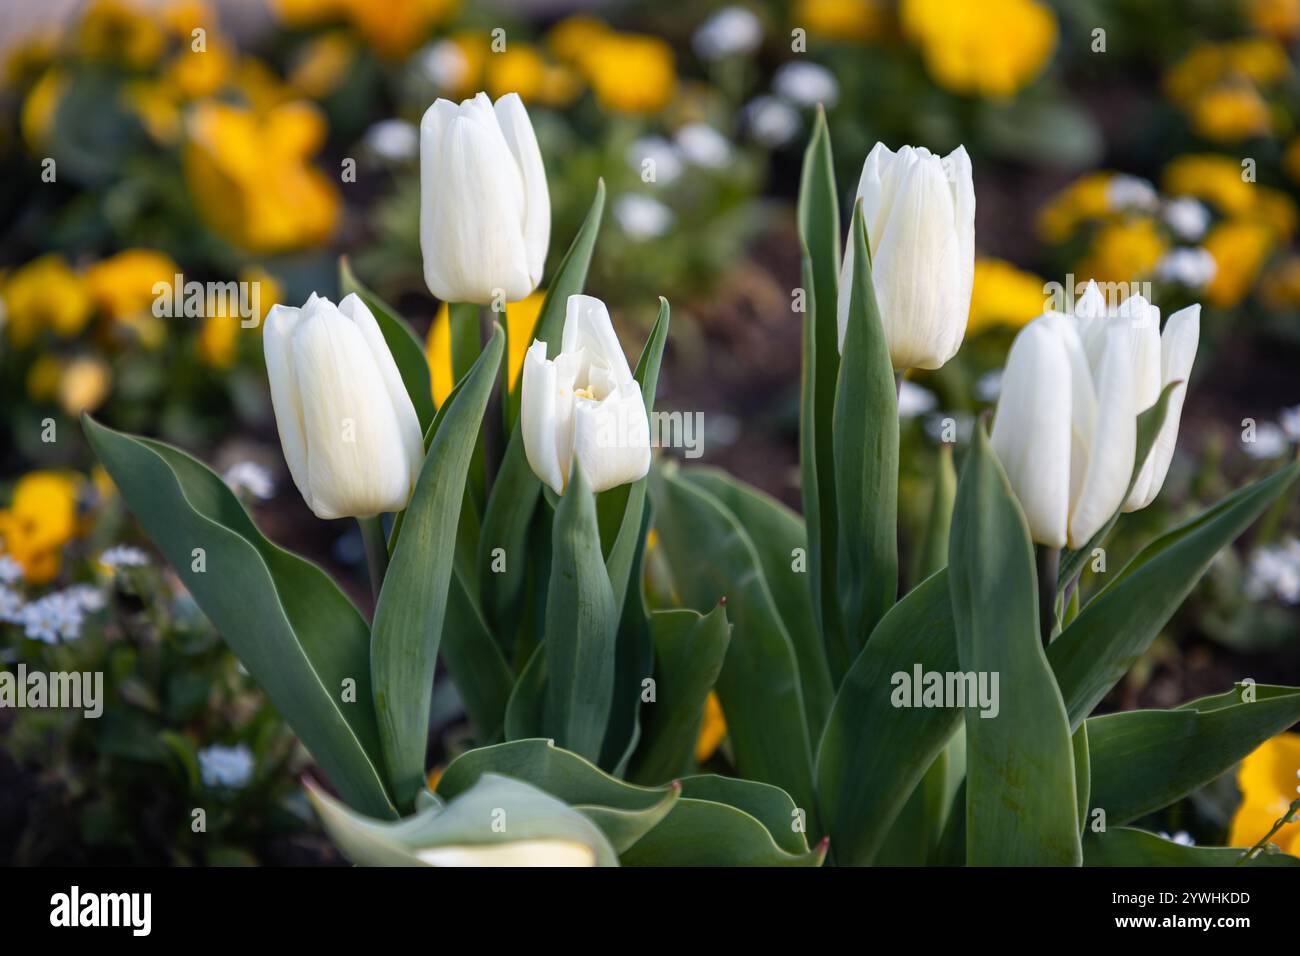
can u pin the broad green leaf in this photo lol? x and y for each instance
(712, 558)
(1117, 626)
(866, 459)
(633, 662)
(581, 626)
(1082, 772)
(877, 745)
(779, 538)
(408, 351)
(1021, 804)
(524, 711)
(412, 604)
(624, 812)
(516, 489)
(724, 821)
(819, 239)
(933, 553)
(1148, 427)
(689, 648)
(474, 660)
(469, 830)
(1124, 846)
(1143, 760)
(292, 628)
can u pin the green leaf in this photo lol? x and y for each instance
(516, 489)
(292, 628)
(689, 648)
(481, 822)
(633, 662)
(874, 752)
(407, 349)
(933, 553)
(1124, 846)
(1117, 626)
(1148, 427)
(623, 811)
(713, 557)
(819, 238)
(1082, 773)
(724, 821)
(524, 712)
(412, 604)
(778, 534)
(581, 626)
(1143, 760)
(474, 660)
(1021, 805)
(866, 459)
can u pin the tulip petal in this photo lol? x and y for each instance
(277, 335)
(518, 131)
(1114, 440)
(587, 325)
(1178, 344)
(611, 438)
(537, 416)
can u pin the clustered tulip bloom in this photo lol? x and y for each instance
(1066, 423)
(349, 431)
(919, 211)
(485, 214)
(584, 403)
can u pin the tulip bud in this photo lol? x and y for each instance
(584, 404)
(920, 217)
(485, 214)
(1066, 423)
(349, 431)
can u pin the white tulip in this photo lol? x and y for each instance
(584, 403)
(920, 218)
(1066, 424)
(485, 214)
(349, 431)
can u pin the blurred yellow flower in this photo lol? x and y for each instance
(268, 288)
(157, 108)
(853, 20)
(45, 294)
(1276, 210)
(43, 376)
(123, 284)
(195, 74)
(40, 107)
(40, 520)
(392, 28)
(994, 48)
(1268, 779)
(522, 69)
(712, 729)
(1229, 114)
(1124, 251)
(521, 320)
(122, 32)
(573, 37)
(1083, 200)
(250, 177)
(1239, 248)
(322, 65)
(1280, 286)
(1001, 294)
(631, 72)
(1276, 18)
(84, 385)
(1213, 178)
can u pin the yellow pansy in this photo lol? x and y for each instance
(40, 107)
(521, 321)
(123, 284)
(322, 64)
(1083, 200)
(250, 177)
(574, 37)
(183, 17)
(1276, 210)
(45, 294)
(630, 72)
(712, 729)
(1269, 779)
(842, 20)
(120, 31)
(1124, 251)
(1229, 114)
(1216, 179)
(1277, 18)
(393, 28)
(1239, 248)
(195, 74)
(40, 520)
(995, 48)
(1003, 295)
(517, 69)
(84, 385)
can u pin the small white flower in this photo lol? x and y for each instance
(10, 570)
(1289, 419)
(222, 766)
(664, 158)
(11, 605)
(85, 596)
(704, 146)
(1131, 192)
(1182, 838)
(771, 121)
(251, 477)
(1187, 217)
(806, 84)
(123, 556)
(1274, 572)
(729, 32)
(444, 65)
(1270, 442)
(1193, 268)
(642, 217)
(393, 140)
(989, 386)
(52, 618)
(913, 400)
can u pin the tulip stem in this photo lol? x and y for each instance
(1049, 565)
(372, 536)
